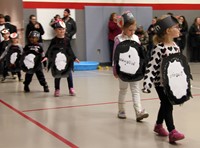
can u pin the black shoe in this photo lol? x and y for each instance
(46, 88)
(26, 88)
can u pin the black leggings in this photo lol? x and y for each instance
(165, 111)
(69, 81)
(40, 77)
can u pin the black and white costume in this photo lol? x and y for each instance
(153, 71)
(60, 56)
(31, 63)
(130, 60)
(11, 58)
(63, 64)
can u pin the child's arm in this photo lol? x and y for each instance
(116, 42)
(4, 53)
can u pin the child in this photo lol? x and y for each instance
(128, 29)
(61, 42)
(6, 35)
(12, 56)
(166, 30)
(34, 46)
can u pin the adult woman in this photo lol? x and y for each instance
(113, 31)
(194, 40)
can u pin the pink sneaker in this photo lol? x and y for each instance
(174, 135)
(57, 93)
(72, 92)
(160, 130)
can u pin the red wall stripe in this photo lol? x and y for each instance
(29, 5)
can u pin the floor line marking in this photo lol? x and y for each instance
(54, 134)
(82, 105)
(87, 105)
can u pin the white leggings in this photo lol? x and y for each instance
(135, 90)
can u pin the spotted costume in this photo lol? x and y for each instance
(153, 70)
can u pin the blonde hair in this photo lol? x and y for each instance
(158, 38)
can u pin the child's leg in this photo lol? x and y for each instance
(135, 90)
(5, 70)
(27, 81)
(70, 80)
(19, 75)
(165, 111)
(139, 111)
(70, 84)
(57, 87)
(123, 86)
(41, 78)
(57, 83)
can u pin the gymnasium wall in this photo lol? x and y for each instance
(190, 9)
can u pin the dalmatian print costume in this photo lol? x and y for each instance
(153, 69)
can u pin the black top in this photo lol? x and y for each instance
(3, 46)
(61, 42)
(70, 27)
(31, 27)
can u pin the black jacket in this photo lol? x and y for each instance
(31, 27)
(193, 38)
(60, 43)
(70, 27)
(12, 28)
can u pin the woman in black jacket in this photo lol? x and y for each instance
(194, 40)
(34, 26)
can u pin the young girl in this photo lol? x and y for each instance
(12, 56)
(61, 42)
(3, 45)
(128, 30)
(29, 49)
(166, 30)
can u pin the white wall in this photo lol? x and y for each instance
(44, 16)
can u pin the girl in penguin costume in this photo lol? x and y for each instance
(3, 45)
(128, 65)
(61, 58)
(31, 62)
(167, 29)
(12, 56)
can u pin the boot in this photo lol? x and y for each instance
(160, 130)
(141, 115)
(174, 135)
(57, 93)
(121, 114)
(46, 88)
(26, 88)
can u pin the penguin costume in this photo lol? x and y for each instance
(14, 52)
(6, 33)
(31, 62)
(60, 55)
(171, 71)
(61, 58)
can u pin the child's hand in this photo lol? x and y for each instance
(45, 68)
(116, 76)
(146, 90)
(77, 60)
(45, 59)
